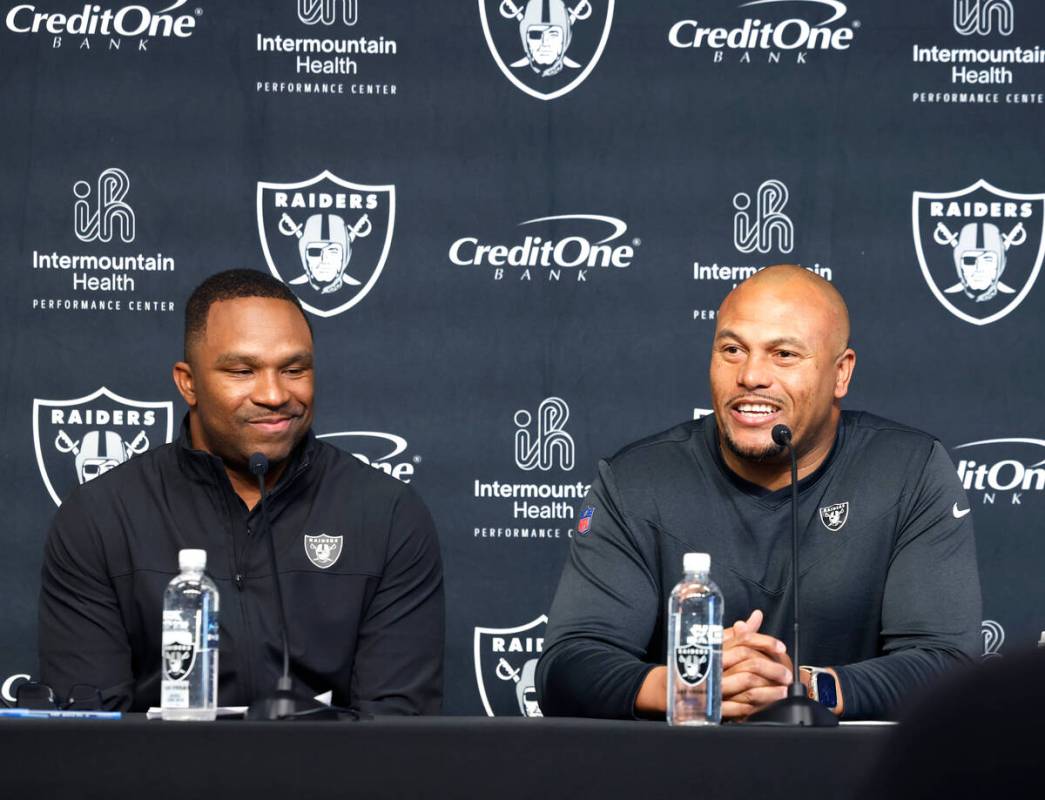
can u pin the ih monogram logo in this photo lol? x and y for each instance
(324, 12)
(541, 449)
(993, 638)
(980, 16)
(110, 212)
(768, 222)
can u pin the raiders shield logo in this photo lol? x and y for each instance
(179, 657)
(323, 551)
(980, 248)
(78, 440)
(834, 516)
(692, 662)
(506, 668)
(546, 48)
(326, 238)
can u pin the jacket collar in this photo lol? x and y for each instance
(207, 468)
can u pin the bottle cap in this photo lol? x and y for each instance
(192, 559)
(696, 562)
(1041, 641)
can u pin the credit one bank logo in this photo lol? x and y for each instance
(1002, 468)
(130, 21)
(761, 32)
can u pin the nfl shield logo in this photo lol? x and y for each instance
(980, 248)
(326, 238)
(78, 440)
(835, 516)
(506, 667)
(584, 525)
(323, 551)
(546, 48)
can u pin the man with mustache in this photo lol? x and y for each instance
(889, 585)
(364, 604)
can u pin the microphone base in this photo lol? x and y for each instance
(285, 705)
(795, 710)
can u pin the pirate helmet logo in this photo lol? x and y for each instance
(326, 238)
(79, 440)
(980, 249)
(323, 550)
(506, 668)
(179, 656)
(561, 41)
(835, 516)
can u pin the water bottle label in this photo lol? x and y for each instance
(174, 694)
(693, 659)
(181, 643)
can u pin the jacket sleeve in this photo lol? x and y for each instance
(931, 608)
(603, 616)
(82, 639)
(399, 655)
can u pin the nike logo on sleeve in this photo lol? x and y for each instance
(959, 513)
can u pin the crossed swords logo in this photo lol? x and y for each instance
(581, 11)
(360, 230)
(942, 235)
(92, 451)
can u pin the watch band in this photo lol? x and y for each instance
(816, 674)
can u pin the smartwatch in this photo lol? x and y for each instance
(823, 687)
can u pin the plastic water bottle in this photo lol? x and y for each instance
(189, 685)
(695, 646)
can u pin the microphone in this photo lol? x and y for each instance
(797, 708)
(284, 703)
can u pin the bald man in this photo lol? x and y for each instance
(890, 586)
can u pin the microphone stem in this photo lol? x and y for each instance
(794, 555)
(275, 579)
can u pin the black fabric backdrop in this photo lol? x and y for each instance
(664, 164)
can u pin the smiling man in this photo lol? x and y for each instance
(889, 583)
(356, 550)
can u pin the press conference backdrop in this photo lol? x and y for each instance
(511, 224)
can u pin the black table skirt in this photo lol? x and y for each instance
(439, 757)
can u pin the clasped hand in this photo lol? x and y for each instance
(756, 669)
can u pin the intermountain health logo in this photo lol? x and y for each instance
(106, 275)
(506, 666)
(328, 12)
(542, 444)
(773, 29)
(983, 17)
(993, 638)
(980, 248)
(96, 26)
(326, 238)
(77, 440)
(546, 48)
(382, 451)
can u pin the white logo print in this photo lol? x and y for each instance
(795, 34)
(543, 33)
(78, 440)
(758, 229)
(979, 16)
(313, 231)
(378, 450)
(323, 550)
(966, 241)
(959, 513)
(549, 443)
(510, 656)
(1006, 474)
(993, 638)
(325, 12)
(130, 21)
(834, 516)
(109, 213)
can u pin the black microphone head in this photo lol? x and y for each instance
(259, 464)
(782, 435)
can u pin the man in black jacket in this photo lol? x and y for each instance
(356, 550)
(890, 587)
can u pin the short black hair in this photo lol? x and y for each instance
(229, 285)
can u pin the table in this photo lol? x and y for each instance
(499, 759)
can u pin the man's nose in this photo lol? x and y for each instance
(269, 390)
(755, 373)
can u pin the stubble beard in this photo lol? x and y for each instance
(764, 455)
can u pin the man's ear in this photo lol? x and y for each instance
(845, 365)
(183, 379)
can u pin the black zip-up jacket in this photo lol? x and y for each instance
(368, 626)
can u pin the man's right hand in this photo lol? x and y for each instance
(756, 670)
